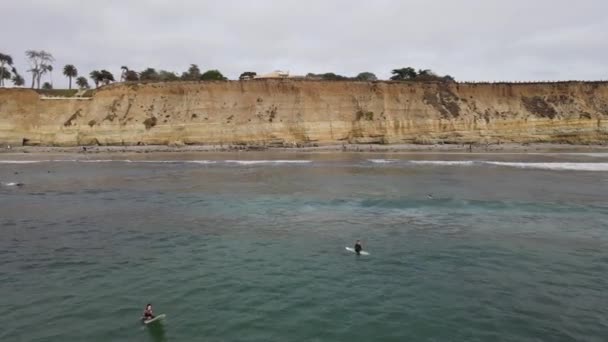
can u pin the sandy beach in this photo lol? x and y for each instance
(397, 148)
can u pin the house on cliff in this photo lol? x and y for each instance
(274, 74)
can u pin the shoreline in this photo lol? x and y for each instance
(507, 148)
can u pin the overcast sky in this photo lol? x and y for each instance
(468, 39)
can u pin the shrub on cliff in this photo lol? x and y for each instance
(404, 74)
(131, 76)
(149, 74)
(167, 76)
(18, 80)
(247, 75)
(47, 86)
(366, 76)
(212, 75)
(423, 75)
(193, 73)
(328, 76)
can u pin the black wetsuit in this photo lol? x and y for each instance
(358, 248)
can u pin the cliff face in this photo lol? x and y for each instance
(287, 112)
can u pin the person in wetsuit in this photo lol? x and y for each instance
(148, 314)
(358, 247)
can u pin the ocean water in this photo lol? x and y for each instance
(251, 247)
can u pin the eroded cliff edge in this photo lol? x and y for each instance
(291, 112)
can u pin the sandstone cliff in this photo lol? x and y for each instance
(289, 112)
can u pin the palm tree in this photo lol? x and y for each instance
(97, 77)
(82, 82)
(70, 71)
(4, 60)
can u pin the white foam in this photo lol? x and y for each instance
(383, 161)
(203, 162)
(9, 184)
(443, 162)
(20, 161)
(588, 154)
(94, 160)
(255, 162)
(555, 166)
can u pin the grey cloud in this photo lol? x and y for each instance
(469, 39)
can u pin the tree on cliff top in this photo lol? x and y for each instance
(149, 74)
(130, 76)
(70, 71)
(167, 76)
(404, 74)
(212, 75)
(328, 76)
(193, 73)
(5, 74)
(423, 75)
(4, 61)
(18, 80)
(366, 76)
(96, 77)
(40, 63)
(106, 77)
(47, 86)
(82, 82)
(247, 75)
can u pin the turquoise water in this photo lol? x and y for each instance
(233, 250)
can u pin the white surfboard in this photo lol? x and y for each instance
(353, 250)
(156, 318)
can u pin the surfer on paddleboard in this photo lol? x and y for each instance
(148, 313)
(358, 247)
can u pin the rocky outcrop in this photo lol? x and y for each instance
(291, 112)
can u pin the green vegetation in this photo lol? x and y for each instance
(410, 74)
(328, 76)
(5, 74)
(82, 82)
(40, 62)
(366, 76)
(131, 76)
(363, 115)
(57, 92)
(70, 71)
(106, 77)
(103, 76)
(247, 75)
(150, 74)
(193, 73)
(212, 75)
(18, 80)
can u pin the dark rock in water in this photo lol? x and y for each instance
(19, 184)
